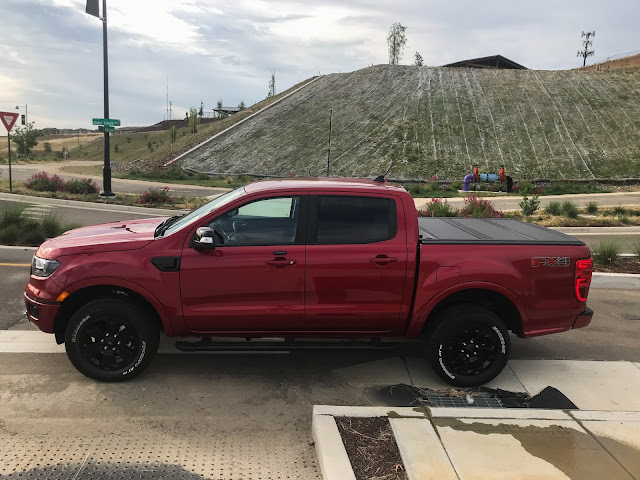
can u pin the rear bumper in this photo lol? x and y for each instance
(41, 314)
(583, 319)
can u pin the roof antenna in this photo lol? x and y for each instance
(382, 178)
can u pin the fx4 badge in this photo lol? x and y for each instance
(550, 262)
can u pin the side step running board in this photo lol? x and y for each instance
(206, 344)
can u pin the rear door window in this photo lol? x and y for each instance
(353, 220)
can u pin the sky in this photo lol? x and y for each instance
(212, 50)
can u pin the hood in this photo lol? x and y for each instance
(107, 237)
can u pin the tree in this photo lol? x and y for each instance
(201, 111)
(418, 60)
(396, 41)
(26, 138)
(221, 114)
(193, 120)
(242, 106)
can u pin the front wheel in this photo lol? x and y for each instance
(468, 345)
(111, 339)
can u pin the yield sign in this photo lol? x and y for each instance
(9, 119)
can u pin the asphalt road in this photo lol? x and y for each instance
(22, 172)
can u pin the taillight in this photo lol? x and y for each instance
(584, 268)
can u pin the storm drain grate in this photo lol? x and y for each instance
(482, 397)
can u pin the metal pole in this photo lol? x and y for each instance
(10, 180)
(329, 151)
(26, 114)
(106, 169)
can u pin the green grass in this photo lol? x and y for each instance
(16, 228)
(606, 252)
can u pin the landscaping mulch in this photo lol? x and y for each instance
(371, 448)
(623, 265)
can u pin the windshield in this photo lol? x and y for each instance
(205, 210)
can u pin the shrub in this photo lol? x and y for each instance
(625, 219)
(553, 208)
(42, 182)
(9, 235)
(478, 208)
(129, 139)
(456, 185)
(47, 147)
(154, 196)
(150, 146)
(592, 208)
(11, 215)
(529, 205)
(438, 207)
(202, 176)
(116, 148)
(59, 154)
(569, 209)
(81, 187)
(619, 210)
(606, 252)
(524, 187)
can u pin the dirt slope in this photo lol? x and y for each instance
(441, 121)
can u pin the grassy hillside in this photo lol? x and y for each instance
(631, 62)
(441, 121)
(147, 150)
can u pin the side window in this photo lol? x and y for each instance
(349, 220)
(270, 221)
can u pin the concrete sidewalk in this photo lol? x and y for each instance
(446, 443)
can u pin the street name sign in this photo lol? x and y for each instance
(107, 122)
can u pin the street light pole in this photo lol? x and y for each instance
(106, 169)
(26, 113)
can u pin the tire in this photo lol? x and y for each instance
(481, 337)
(90, 339)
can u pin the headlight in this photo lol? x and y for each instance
(41, 267)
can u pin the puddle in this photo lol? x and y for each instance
(482, 397)
(571, 451)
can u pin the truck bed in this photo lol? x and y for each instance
(491, 231)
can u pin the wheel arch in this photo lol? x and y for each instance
(494, 298)
(80, 294)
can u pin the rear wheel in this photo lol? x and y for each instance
(111, 339)
(468, 345)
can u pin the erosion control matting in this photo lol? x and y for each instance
(481, 397)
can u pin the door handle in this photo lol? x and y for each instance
(383, 260)
(281, 262)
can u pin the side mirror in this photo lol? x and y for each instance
(204, 239)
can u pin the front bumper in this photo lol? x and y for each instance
(41, 314)
(583, 319)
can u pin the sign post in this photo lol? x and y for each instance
(9, 120)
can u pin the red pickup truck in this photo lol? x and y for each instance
(308, 258)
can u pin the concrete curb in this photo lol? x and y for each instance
(59, 202)
(423, 452)
(170, 162)
(616, 281)
(332, 456)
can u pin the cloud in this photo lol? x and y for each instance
(217, 49)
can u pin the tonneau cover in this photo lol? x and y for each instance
(495, 231)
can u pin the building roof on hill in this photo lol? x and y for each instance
(493, 61)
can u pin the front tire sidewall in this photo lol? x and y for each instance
(134, 316)
(451, 321)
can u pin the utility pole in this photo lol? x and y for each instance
(329, 150)
(587, 43)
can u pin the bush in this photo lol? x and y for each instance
(524, 187)
(529, 205)
(606, 252)
(81, 187)
(592, 208)
(619, 210)
(42, 182)
(116, 148)
(625, 219)
(438, 207)
(569, 209)
(478, 208)
(47, 147)
(154, 196)
(18, 229)
(456, 185)
(553, 208)
(202, 176)
(9, 235)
